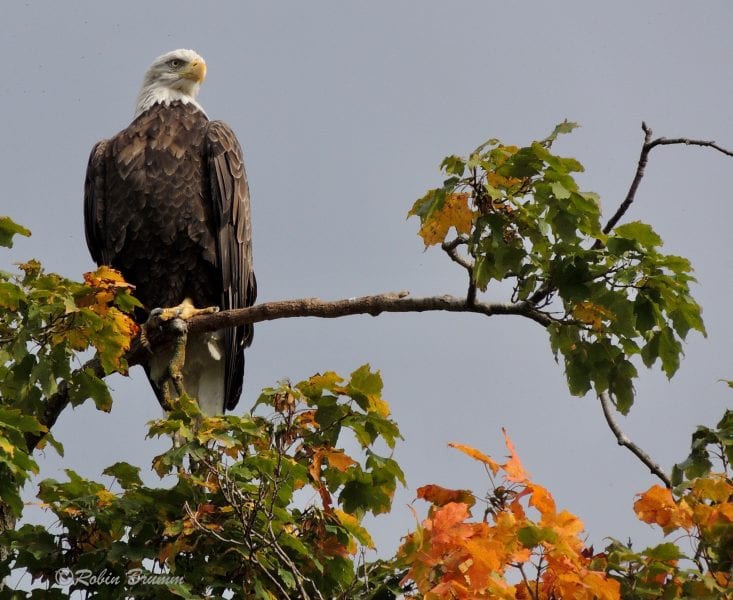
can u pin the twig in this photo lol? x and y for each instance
(631, 194)
(623, 440)
(451, 249)
(647, 147)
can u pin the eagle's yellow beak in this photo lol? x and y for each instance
(196, 71)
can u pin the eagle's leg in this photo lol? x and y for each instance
(175, 366)
(171, 383)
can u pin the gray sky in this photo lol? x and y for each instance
(345, 110)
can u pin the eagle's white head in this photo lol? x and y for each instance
(175, 75)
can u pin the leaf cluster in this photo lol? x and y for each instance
(522, 536)
(699, 509)
(610, 295)
(257, 507)
(46, 322)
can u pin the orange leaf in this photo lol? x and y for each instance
(477, 455)
(441, 496)
(541, 499)
(338, 459)
(449, 515)
(513, 467)
(314, 468)
(657, 505)
(307, 419)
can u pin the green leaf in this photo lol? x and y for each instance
(85, 384)
(9, 228)
(560, 191)
(532, 535)
(669, 352)
(365, 387)
(11, 295)
(664, 552)
(560, 129)
(431, 202)
(453, 165)
(128, 476)
(639, 232)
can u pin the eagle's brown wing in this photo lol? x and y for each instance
(230, 202)
(94, 205)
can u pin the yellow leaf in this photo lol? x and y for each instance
(379, 405)
(455, 212)
(477, 455)
(6, 446)
(499, 181)
(712, 487)
(353, 526)
(592, 314)
(105, 498)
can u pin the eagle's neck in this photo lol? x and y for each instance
(156, 94)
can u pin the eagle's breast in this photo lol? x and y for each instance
(159, 213)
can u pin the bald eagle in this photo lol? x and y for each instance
(166, 202)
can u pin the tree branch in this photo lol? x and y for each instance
(451, 249)
(285, 309)
(646, 148)
(623, 440)
(364, 305)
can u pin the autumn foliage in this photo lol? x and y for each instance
(521, 537)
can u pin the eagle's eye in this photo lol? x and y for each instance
(174, 63)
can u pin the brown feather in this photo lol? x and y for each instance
(167, 203)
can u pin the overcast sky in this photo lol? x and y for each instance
(345, 110)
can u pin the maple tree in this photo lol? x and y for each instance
(228, 516)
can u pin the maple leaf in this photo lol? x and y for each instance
(592, 314)
(447, 517)
(657, 505)
(354, 527)
(440, 496)
(513, 467)
(105, 498)
(713, 487)
(541, 499)
(440, 212)
(338, 459)
(499, 181)
(477, 455)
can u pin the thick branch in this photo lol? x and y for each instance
(623, 440)
(364, 305)
(305, 307)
